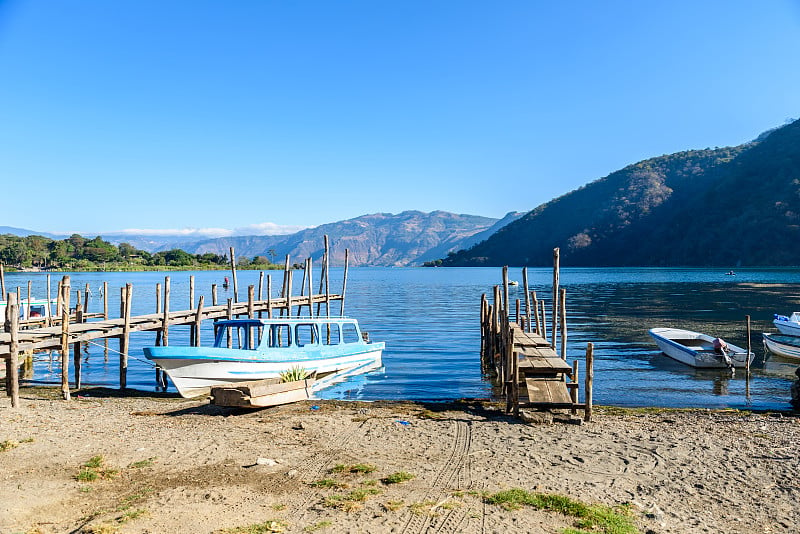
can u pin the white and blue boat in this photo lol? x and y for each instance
(256, 349)
(697, 350)
(783, 345)
(789, 326)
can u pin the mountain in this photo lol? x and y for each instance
(22, 232)
(715, 207)
(379, 239)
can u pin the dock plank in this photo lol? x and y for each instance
(551, 392)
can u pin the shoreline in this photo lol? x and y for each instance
(185, 465)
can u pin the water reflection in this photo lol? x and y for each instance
(429, 321)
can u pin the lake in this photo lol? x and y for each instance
(429, 319)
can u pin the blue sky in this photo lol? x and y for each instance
(253, 115)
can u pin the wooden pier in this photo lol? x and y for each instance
(71, 327)
(530, 372)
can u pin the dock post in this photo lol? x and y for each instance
(28, 304)
(125, 343)
(544, 320)
(12, 361)
(230, 316)
(749, 348)
(556, 269)
(49, 320)
(344, 281)
(527, 299)
(251, 302)
(191, 292)
(233, 273)
(2, 280)
(517, 311)
(535, 306)
(197, 319)
(65, 291)
(573, 391)
(165, 317)
(484, 304)
(506, 304)
(158, 331)
(76, 346)
(260, 289)
(269, 296)
(86, 294)
(310, 268)
(588, 381)
(213, 294)
(563, 308)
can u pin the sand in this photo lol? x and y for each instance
(178, 465)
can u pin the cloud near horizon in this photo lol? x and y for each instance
(266, 228)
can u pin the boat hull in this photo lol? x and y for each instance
(783, 345)
(697, 350)
(194, 371)
(787, 327)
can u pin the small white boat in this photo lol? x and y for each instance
(256, 349)
(697, 350)
(788, 325)
(783, 345)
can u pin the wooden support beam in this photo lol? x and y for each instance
(233, 273)
(2, 280)
(12, 361)
(197, 321)
(588, 381)
(527, 299)
(65, 291)
(563, 308)
(126, 332)
(344, 280)
(556, 274)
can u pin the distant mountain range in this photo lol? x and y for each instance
(716, 207)
(380, 239)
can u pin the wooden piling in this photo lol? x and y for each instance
(197, 321)
(12, 361)
(76, 347)
(535, 305)
(165, 318)
(65, 291)
(230, 316)
(344, 280)
(2, 280)
(28, 304)
(233, 274)
(544, 320)
(87, 292)
(213, 294)
(749, 348)
(49, 320)
(527, 299)
(260, 288)
(250, 301)
(556, 272)
(269, 296)
(310, 269)
(125, 344)
(588, 381)
(563, 308)
(105, 301)
(573, 391)
(191, 292)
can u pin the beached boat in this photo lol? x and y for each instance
(783, 345)
(697, 350)
(255, 349)
(788, 325)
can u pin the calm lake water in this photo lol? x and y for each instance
(429, 319)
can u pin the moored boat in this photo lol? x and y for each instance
(782, 345)
(788, 325)
(35, 309)
(698, 350)
(255, 349)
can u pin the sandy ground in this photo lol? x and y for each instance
(177, 465)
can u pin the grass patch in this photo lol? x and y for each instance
(7, 445)
(353, 469)
(257, 528)
(350, 501)
(95, 469)
(130, 515)
(317, 526)
(397, 478)
(142, 463)
(393, 506)
(589, 518)
(328, 483)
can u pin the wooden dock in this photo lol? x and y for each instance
(530, 372)
(71, 327)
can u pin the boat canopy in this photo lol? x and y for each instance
(294, 332)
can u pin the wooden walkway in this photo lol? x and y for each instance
(73, 326)
(531, 374)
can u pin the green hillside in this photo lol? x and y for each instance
(716, 207)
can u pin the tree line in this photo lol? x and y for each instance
(79, 253)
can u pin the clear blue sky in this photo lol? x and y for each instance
(208, 114)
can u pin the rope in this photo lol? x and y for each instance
(148, 362)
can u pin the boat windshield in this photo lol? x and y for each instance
(250, 335)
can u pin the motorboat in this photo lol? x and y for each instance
(782, 345)
(788, 325)
(256, 349)
(698, 350)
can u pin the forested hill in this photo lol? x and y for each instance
(721, 207)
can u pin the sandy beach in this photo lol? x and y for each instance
(176, 465)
